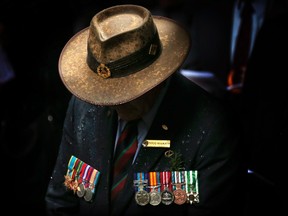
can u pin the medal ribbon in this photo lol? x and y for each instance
(178, 177)
(165, 178)
(89, 173)
(96, 179)
(140, 178)
(82, 171)
(191, 178)
(72, 162)
(195, 181)
(92, 178)
(152, 180)
(78, 170)
(70, 181)
(189, 181)
(74, 171)
(71, 165)
(158, 182)
(85, 178)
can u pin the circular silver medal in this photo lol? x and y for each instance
(155, 198)
(167, 197)
(80, 190)
(88, 194)
(142, 197)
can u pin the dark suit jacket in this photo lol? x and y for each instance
(199, 128)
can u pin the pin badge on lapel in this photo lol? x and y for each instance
(157, 143)
(175, 159)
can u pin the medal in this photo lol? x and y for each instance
(71, 176)
(167, 196)
(142, 197)
(81, 190)
(190, 197)
(154, 185)
(196, 197)
(192, 186)
(155, 197)
(88, 194)
(195, 186)
(180, 195)
(68, 181)
(74, 186)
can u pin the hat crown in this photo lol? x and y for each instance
(118, 32)
(124, 53)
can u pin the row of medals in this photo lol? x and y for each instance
(80, 189)
(153, 197)
(86, 193)
(166, 197)
(142, 197)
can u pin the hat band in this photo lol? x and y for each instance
(128, 64)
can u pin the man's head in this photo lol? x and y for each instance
(138, 107)
(124, 54)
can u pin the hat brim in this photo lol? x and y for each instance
(85, 84)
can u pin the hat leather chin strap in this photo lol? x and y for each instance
(128, 64)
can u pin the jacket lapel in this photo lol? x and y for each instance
(100, 154)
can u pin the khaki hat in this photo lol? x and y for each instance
(124, 53)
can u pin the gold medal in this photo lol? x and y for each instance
(74, 186)
(68, 181)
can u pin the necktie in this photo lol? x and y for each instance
(125, 150)
(243, 42)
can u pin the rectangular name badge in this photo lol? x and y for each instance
(157, 143)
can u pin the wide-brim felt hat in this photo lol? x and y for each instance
(124, 53)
